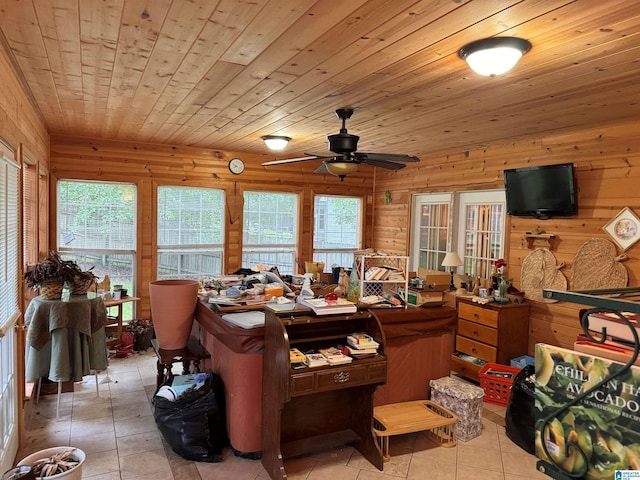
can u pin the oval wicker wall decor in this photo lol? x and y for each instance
(540, 271)
(597, 266)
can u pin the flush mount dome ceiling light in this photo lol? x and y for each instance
(494, 56)
(276, 142)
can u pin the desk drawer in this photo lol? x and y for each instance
(478, 332)
(476, 349)
(340, 376)
(465, 368)
(478, 314)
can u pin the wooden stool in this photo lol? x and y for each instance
(414, 416)
(193, 352)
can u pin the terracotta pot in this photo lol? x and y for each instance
(173, 306)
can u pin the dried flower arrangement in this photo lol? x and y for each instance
(55, 464)
(54, 269)
(51, 269)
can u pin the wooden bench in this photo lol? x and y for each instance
(414, 416)
(194, 353)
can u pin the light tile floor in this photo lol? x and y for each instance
(118, 433)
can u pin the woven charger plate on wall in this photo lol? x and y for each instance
(539, 272)
(596, 266)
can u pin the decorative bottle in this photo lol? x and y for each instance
(353, 291)
(502, 290)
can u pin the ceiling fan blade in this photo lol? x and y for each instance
(383, 163)
(321, 169)
(389, 157)
(292, 160)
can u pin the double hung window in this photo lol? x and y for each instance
(97, 228)
(190, 232)
(270, 230)
(336, 229)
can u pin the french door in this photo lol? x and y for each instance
(9, 310)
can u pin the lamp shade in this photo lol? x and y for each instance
(494, 56)
(341, 169)
(451, 259)
(276, 142)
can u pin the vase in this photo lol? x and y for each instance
(173, 306)
(74, 473)
(501, 292)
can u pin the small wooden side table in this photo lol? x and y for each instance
(414, 416)
(117, 321)
(193, 352)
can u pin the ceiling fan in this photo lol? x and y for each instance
(347, 159)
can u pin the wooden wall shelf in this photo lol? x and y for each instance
(540, 240)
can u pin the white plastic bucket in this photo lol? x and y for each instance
(74, 474)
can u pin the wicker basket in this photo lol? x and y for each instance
(51, 290)
(81, 286)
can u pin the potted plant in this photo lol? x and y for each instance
(50, 274)
(82, 282)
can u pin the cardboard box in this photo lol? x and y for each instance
(420, 297)
(435, 280)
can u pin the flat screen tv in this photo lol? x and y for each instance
(541, 192)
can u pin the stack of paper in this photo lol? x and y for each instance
(322, 307)
(250, 319)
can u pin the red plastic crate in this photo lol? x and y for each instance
(496, 380)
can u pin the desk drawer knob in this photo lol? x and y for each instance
(474, 350)
(475, 332)
(341, 377)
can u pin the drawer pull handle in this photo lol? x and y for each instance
(341, 377)
(475, 315)
(474, 350)
(475, 332)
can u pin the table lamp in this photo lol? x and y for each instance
(451, 259)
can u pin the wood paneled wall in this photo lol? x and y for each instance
(607, 165)
(23, 128)
(150, 165)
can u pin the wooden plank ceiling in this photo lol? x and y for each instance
(219, 74)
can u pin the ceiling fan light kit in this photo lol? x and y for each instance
(346, 159)
(494, 56)
(341, 169)
(276, 142)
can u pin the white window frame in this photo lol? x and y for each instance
(343, 257)
(418, 202)
(458, 204)
(477, 258)
(68, 251)
(215, 249)
(271, 254)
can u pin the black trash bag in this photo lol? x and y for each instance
(520, 419)
(194, 424)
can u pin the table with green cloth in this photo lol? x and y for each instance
(65, 338)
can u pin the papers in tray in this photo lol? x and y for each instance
(222, 300)
(251, 319)
(321, 307)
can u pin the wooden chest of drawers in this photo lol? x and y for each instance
(493, 333)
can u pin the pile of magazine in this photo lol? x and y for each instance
(358, 345)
